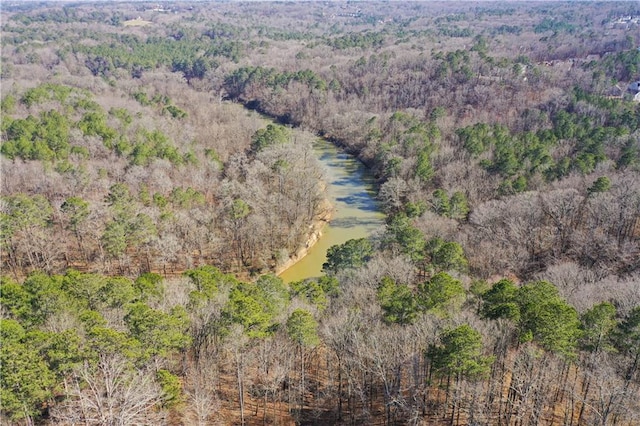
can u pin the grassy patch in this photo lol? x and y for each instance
(137, 23)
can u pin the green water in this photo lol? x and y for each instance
(357, 213)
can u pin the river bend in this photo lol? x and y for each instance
(356, 213)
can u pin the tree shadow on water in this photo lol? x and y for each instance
(361, 201)
(352, 221)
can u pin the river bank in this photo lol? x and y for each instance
(352, 208)
(314, 235)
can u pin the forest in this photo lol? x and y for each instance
(158, 170)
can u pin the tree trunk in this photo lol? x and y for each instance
(240, 385)
(301, 379)
(585, 394)
(339, 388)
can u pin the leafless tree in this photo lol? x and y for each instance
(110, 393)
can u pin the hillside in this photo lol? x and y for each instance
(157, 168)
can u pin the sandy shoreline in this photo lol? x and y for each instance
(315, 233)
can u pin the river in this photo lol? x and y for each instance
(356, 214)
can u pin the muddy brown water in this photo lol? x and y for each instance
(357, 213)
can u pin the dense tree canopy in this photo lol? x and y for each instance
(159, 164)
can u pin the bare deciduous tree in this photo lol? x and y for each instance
(111, 393)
